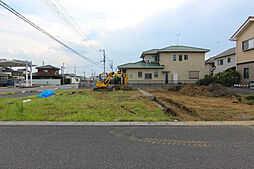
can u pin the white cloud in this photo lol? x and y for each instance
(104, 18)
(120, 13)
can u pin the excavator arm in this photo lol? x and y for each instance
(105, 83)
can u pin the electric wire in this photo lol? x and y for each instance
(4, 5)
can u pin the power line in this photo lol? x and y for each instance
(60, 11)
(4, 5)
(70, 17)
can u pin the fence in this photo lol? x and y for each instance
(142, 83)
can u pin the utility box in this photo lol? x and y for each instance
(252, 85)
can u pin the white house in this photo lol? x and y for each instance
(221, 62)
(73, 78)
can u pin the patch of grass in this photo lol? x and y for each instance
(249, 97)
(8, 93)
(83, 105)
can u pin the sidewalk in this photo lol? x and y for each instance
(47, 123)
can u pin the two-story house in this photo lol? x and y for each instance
(244, 38)
(173, 64)
(47, 72)
(47, 75)
(221, 62)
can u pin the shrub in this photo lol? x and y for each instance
(249, 97)
(117, 80)
(208, 79)
(227, 78)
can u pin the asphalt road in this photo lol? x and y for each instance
(24, 92)
(126, 147)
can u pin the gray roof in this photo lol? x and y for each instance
(14, 63)
(141, 65)
(152, 51)
(47, 67)
(210, 60)
(231, 51)
(175, 49)
(228, 52)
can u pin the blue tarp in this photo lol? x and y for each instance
(46, 93)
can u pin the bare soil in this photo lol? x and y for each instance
(205, 103)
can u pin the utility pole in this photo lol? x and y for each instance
(104, 60)
(31, 73)
(177, 38)
(111, 65)
(75, 71)
(26, 73)
(63, 73)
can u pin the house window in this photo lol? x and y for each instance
(248, 44)
(124, 70)
(156, 74)
(246, 73)
(193, 74)
(45, 70)
(148, 76)
(229, 60)
(155, 59)
(174, 57)
(140, 74)
(185, 57)
(180, 57)
(220, 62)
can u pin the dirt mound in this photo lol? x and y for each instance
(175, 88)
(212, 90)
(73, 92)
(122, 87)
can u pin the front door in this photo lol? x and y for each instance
(175, 78)
(166, 78)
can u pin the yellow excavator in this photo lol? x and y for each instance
(105, 78)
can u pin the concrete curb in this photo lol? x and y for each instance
(47, 123)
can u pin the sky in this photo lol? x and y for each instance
(124, 28)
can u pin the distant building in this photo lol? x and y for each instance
(47, 75)
(72, 78)
(221, 62)
(244, 38)
(47, 72)
(6, 77)
(5, 73)
(173, 64)
(16, 77)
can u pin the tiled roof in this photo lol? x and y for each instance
(175, 49)
(183, 49)
(141, 65)
(210, 60)
(152, 51)
(47, 67)
(228, 52)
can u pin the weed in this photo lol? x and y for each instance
(84, 105)
(249, 97)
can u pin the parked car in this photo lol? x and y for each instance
(5, 83)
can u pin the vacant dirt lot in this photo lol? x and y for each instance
(206, 108)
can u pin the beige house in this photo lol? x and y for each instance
(173, 64)
(244, 38)
(221, 62)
